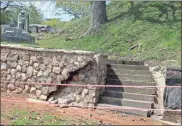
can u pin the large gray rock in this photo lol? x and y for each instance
(40, 73)
(13, 72)
(46, 73)
(18, 75)
(36, 66)
(65, 74)
(33, 59)
(45, 90)
(35, 72)
(56, 70)
(53, 76)
(3, 66)
(13, 64)
(27, 89)
(24, 77)
(43, 97)
(4, 56)
(172, 95)
(12, 57)
(49, 80)
(33, 90)
(9, 77)
(172, 98)
(63, 101)
(18, 68)
(11, 87)
(50, 99)
(29, 71)
(18, 90)
(38, 93)
(53, 88)
(54, 101)
(42, 67)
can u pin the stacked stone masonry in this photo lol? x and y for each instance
(37, 65)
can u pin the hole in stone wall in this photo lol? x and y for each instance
(76, 77)
(72, 76)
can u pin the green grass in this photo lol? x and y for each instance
(22, 117)
(159, 38)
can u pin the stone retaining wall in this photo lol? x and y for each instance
(27, 64)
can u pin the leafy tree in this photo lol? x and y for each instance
(35, 16)
(76, 9)
(5, 17)
(11, 9)
(53, 22)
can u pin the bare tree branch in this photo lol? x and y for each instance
(68, 11)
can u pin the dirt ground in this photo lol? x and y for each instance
(102, 117)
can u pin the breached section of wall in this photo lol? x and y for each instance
(25, 64)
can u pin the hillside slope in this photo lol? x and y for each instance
(145, 24)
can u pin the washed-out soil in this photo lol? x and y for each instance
(103, 117)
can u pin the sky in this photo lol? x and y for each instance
(49, 11)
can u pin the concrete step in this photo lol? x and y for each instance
(125, 109)
(129, 83)
(127, 102)
(126, 62)
(131, 77)
(134, 79)
(131, 67)
(132, 96)
(148, 91)
(128, 71)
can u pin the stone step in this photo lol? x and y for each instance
(131, 78)
(131, 67)
(148, 91)
(127, 102)
(132, 96)
(129, 83)
(126, 62)
(134, 79)
(128, 71)
(125, 109)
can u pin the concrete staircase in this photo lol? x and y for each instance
(131, 73)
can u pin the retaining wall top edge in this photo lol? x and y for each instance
(48, 50)
(177, 68)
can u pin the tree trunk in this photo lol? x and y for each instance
(98, 16)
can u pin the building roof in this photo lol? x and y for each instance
(38, 25)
